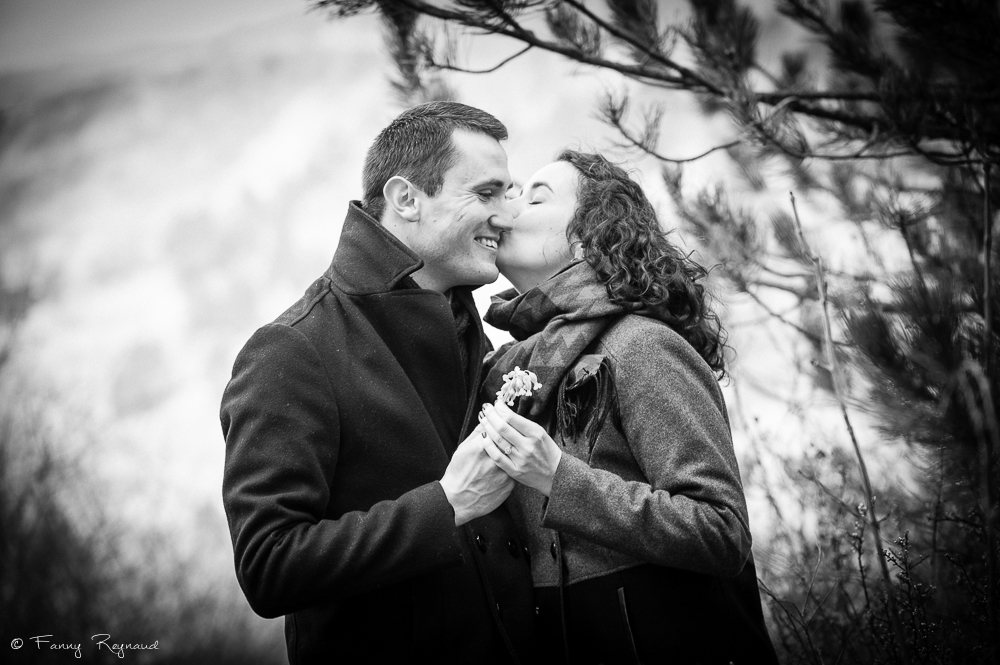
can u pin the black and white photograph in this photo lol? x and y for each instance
(499, 332)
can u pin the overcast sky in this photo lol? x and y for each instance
(44, 33)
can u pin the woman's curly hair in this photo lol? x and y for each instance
(622, 240)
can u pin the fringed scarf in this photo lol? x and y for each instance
(552, 325)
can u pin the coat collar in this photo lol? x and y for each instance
(369, 259)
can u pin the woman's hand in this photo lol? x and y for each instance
(520, 447)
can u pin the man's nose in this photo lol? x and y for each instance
(504, 219)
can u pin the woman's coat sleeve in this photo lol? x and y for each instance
(692, 513)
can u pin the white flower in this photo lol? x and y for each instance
(517, 383)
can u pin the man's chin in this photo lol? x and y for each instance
(493, 275)
(484, 277)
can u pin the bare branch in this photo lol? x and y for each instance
(455, 68)
(851, 510)
(777, 315)
(780, 287)
(838, 391)
(671, 160)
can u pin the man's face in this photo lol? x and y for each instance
(460, 227)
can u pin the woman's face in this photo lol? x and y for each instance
(536, 247)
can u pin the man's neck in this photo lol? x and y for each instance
(427, 280)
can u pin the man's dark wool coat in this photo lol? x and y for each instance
(340, 419)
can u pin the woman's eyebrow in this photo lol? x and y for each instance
(536, 185)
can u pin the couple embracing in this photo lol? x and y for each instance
(383, 499)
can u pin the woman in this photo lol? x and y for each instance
(628, 492)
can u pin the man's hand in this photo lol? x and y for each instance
(473, 484)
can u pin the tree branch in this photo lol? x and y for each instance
(528, 37)
(685, 73)
(453, 68)
(851, 510)
(831, 356)
(802, 331)
(634, 142)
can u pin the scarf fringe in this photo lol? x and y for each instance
(582, 410)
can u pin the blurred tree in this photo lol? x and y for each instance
(893, 108)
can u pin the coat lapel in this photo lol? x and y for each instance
(416, 325)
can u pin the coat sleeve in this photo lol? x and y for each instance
(281, 425)
(691, 514)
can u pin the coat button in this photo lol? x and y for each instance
(527, 555)
(552, 549)
(514, 550)
(481, 542)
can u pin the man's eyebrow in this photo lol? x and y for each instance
(494, 183)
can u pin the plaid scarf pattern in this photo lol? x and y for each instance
(552, 324)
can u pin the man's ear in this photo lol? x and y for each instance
(401, 196)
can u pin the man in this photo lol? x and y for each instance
(352, 508)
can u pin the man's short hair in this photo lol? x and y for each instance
(417, 145)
